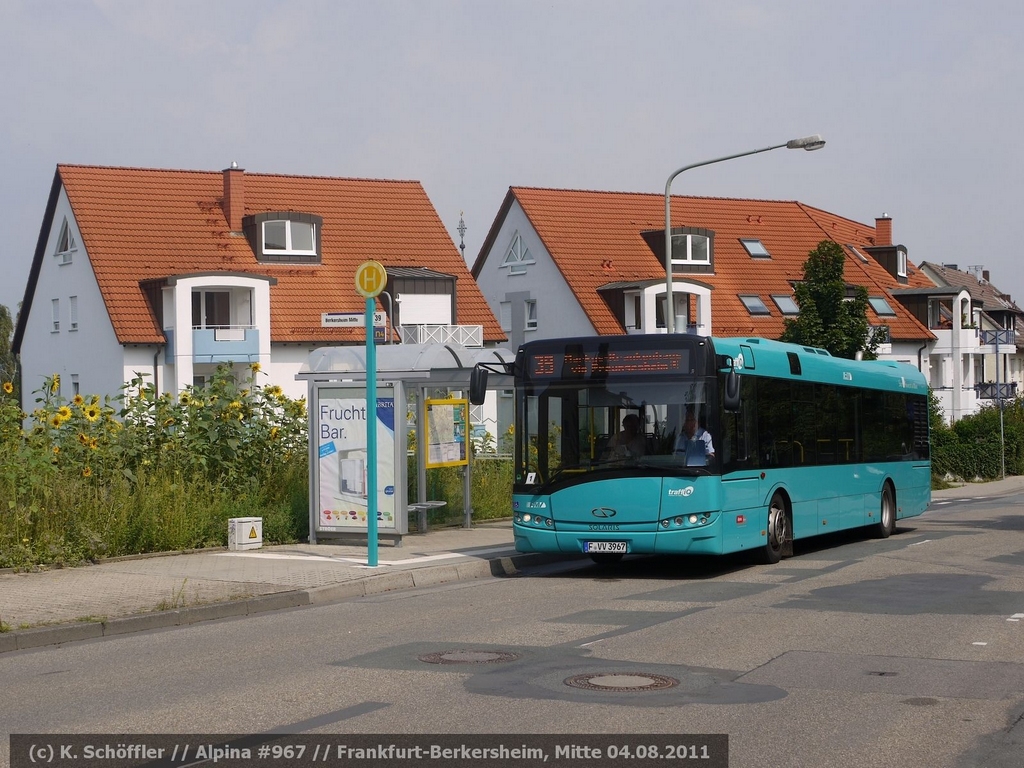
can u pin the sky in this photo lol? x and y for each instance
(919, 103)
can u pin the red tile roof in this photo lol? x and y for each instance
(594, 239)
(142, 224)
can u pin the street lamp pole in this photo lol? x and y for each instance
(808, 143)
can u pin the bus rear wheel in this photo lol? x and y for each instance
(606, 558)
(886, 524)
(778, 531)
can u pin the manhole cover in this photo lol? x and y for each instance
(468, 657)
(620, 681)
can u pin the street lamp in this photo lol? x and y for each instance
(810, 143)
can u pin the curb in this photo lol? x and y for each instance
(378, 584)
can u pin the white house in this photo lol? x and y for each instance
(168, 273)
(567, 262)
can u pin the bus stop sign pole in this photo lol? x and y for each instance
(371, 277)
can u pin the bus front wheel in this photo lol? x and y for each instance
(886, 524)
(778, 531)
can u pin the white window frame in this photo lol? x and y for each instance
(517, 256)
(202, 293)
(289, 249)
(72, 313)
(55, 315)
(66, 244)
(530, 307)
(76, 388)
(689, 249)
(901, 263)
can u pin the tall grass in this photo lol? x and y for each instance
(81, 478)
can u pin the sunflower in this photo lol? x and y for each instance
(273, 390)
(55, 384)
(185, 398)
(64, 412)
(87, 472)
(55, 420)
(8, 388)
(78, 400)
(254, 367)
(83, 438)
(273, 433)
(91, 412)
(93, 443)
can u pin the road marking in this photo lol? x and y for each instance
(1016, 617)
(919, 542)
(979, 643)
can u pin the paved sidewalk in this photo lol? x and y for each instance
(148, 592)
(151, 591)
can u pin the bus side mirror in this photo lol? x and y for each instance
(477, 385)
(731, 396)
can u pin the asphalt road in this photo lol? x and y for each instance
(855, 652)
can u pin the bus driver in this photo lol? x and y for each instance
(694, 442)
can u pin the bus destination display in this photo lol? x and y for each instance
(586, 364)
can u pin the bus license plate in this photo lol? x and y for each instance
(604, 546)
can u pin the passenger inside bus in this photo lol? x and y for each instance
(695, 442)
(630, 441)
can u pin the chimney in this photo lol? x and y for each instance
(883, 230)
(984, 276)
(234, 196)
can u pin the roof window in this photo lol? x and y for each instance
(754, 305)
(786, 304)
(881, 306)
(755, 248)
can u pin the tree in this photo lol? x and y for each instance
(828, 318)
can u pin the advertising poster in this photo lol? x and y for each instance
(447, 428)
(343, 458)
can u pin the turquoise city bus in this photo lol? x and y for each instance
(745, 444)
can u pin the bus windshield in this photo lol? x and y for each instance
(568, 429)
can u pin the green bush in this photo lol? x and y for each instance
(81, 479)
(971, 448)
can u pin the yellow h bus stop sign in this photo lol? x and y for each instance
(371, 277)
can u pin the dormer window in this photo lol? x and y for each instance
(755, 248)
(901, 262)
(284, 236)
(517, 257)
(691, 249)
(288, 237)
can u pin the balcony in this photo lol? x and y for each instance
(992, 391)
(1004, 337)
(465, 335)
(231, 344)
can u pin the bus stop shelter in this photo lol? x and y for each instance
(339, 417)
